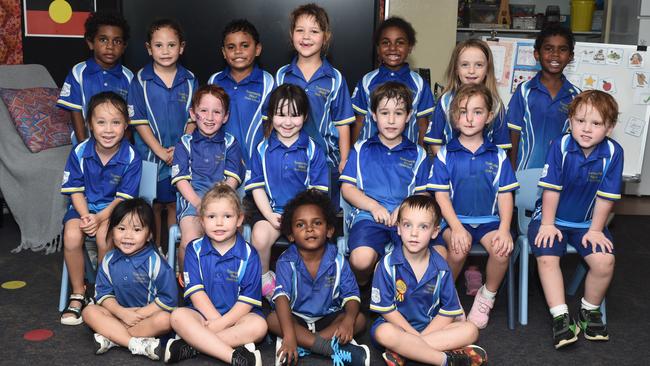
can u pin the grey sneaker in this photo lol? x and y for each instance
(102, 344)
(145, 346)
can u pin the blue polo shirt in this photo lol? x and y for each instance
(165, 110)
(395, 287)
(284, 171)
(422, 98)
(137, 280)
(87, 79)
(313, 298)
(473, 180)
(206, 160)
(226, 279)
(580, 180)
(386, 175)
(538, 118)
(247, 99)
(441, 129)
(101, 184)
(329, 104)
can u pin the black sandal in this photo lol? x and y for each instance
(75, 310)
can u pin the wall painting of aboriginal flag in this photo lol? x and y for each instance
(56, 18)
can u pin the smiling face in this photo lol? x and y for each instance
(554, 54)
(473, 116)
(393, 48)
(416, 228)
(107, 125)
(588, 127)
(472, 66)
(286, 122)
(130, 235)
(309, 229)
(307, 37)
(220, 220)
(391, 117)
(239, 50)
(165, 47)
(108, 46)
(209, 115)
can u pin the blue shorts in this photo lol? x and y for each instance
(165, 192)
(477, 231)
(73, 214)
(335, 189)
(368, 233)
(569, 235)
(184, 208)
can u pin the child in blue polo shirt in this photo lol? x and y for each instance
(135, 288)
(316, 298)
(247, 85)
(285, 163)
(471, 62)
(473, 184)
(330, 108)
(537, 112)
(107, 35)
(222, 287)
(159, 103)
(100, 172)
(581, 180)
(413, 291)
(394, 39)
(381, 172)
(202, 158)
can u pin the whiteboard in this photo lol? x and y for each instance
(607, 67)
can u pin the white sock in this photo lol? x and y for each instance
(584, 304)
(267, 277)
(559, 310)
(487, 293)
(134, 344)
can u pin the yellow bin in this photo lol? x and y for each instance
(581, 13)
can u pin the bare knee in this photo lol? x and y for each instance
(73, 237)
(385, 336)
(362, 260)
(548, 262)
(161, 320)
(602, 264)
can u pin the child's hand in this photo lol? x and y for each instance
(89, 224)
(169, 156)
(461, 240)
(288, 352)
(275, 220)
(546, 235)
(341, 166)
(502, 243)
(393, 217)
(215, 325)
(380, 214)
(597, 239)
(130, 317)
(345, 331)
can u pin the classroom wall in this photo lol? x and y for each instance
(435, 24)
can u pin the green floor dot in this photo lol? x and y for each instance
(13, 285)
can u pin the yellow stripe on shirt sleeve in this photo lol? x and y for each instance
(254, 186)
(438, 186)
(509, 187)
(193, 289)
(180, 178)
(361, 111)
(426, 111)
(135, 122)
(382, 309)
(68, 104)
(123, 195)
(72, 189)
(429, 140)
(344, 122)
(549, 186)
(514, 127)
(249, 300)
(612, 196)
(231, 174)
(163, 306)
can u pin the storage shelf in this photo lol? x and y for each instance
(524, 31)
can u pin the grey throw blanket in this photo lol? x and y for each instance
(31, 183)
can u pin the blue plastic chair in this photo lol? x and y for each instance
(525, 201)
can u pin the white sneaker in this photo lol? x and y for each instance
(278, 359)
(145, 346)
(102, 344)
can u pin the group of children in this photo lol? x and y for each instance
(291, 142)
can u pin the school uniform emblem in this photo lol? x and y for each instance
(400, 286)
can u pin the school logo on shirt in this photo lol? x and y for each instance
(233, 276)
(131, 110)
(375, 295)
(115, 179)
(400, 287)
(182, 97)
(330, 281)
(544, 171)
(406, 163)
(65, 90)
(491, 168)
(253, 96)
(175, 170)
(140, 278)
(595, 176)
(564, 107)
(300, 166)
(66, 176)
(430, 288)
(322, 92)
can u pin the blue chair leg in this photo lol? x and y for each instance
(603, 310)
(89, 269)
(523, 280)
(511, 294)
(63, 294)
(174, 233)
(578, 276)
(246, 233)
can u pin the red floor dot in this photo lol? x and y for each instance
(38, 335)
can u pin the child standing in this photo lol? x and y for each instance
(330, 108)
(135, 289)
(394, 39)
(537, 112)
(202, 158)
(285, 163)
(473, 184)
(581, 180)
(414, 292)
(381, 172)
(247, 85)
(471, 63)
(222, 286)
(107, 35)
(316, 298)
(159, 103)
(100, 172)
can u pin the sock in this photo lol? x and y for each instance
(322, 346)
(133, 344)
(487, 293)
(559, 310)
(584, 304)
(444, 360)
(268, 276)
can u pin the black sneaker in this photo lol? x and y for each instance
(471, 355)
(241, 356)
(178, 350)
(565, 331)
(591, 323)
(350, 354)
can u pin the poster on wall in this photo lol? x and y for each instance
(11, 43)
(56, 18)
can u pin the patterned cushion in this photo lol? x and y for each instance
(39, 122)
